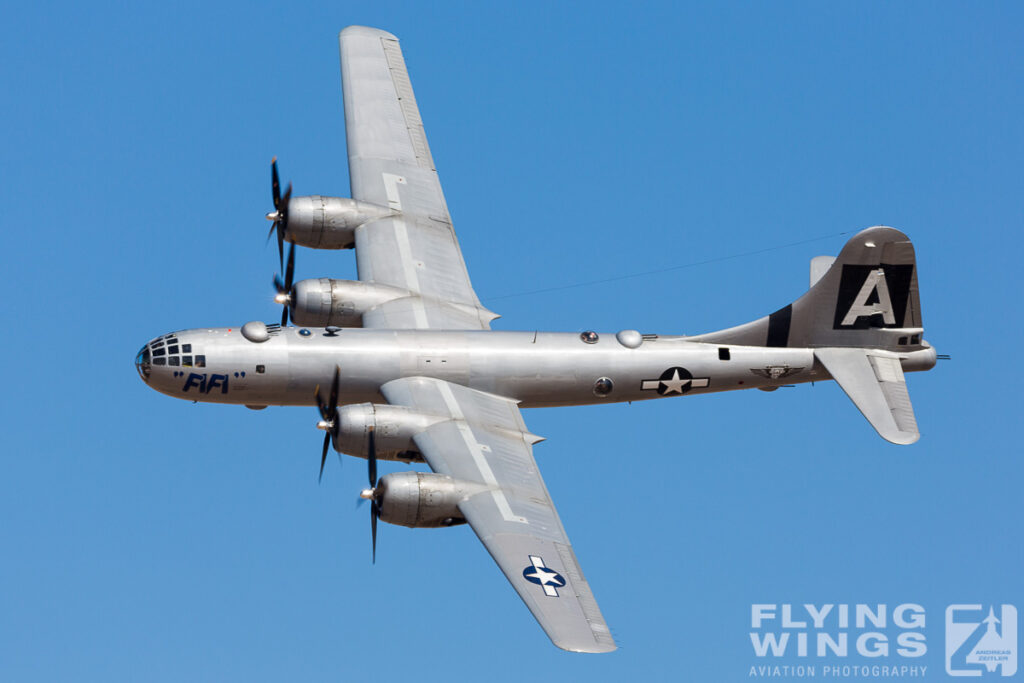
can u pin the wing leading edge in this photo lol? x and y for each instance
(390, 165)
(486, 442)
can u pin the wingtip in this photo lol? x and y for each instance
(591, 649)
(368, 31)
(901, 438)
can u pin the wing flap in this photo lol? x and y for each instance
(417, 312)
(874, 381)
(421, 256)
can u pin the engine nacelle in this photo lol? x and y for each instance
(323, 301)
(420, 499)
(393, 427)
(329, 222)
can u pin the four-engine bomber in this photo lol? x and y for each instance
(402, 364)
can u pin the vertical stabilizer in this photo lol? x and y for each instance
(866, 298)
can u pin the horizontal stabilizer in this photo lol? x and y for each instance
(873, 379)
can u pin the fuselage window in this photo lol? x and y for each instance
(200, 361)
(172, 349)
(186, 348)
(159, 361)
(173, 360)
(261, 369)
(159, 352)
(186, 361)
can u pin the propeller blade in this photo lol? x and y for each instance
(320, 403)
(374, 513)
(323, 456)
(282, 221)
(275, 183)
(280, 242)
(289, 272)
(280, 214)
(334, 389)
(372, 459)
(329, 414)
(284, 288)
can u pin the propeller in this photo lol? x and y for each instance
(284, 289)
(329, 417)
(373, 494)
(280, 213)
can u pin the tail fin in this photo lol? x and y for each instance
(868, 298)
(862, 317)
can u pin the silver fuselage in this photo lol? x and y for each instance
(537, 368)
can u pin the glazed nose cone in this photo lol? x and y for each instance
(143, 359)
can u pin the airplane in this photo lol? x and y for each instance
(402, 363)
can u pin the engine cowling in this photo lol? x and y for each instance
(393, 426)
(329, 222)
(321, 302)
(420, 499)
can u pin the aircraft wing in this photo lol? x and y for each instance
(486, 442)
(390, 165)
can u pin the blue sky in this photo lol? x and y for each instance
(151, 539)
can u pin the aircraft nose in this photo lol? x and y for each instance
(165, 358)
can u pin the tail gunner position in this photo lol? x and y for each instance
(403, 365)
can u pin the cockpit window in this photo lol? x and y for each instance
(167, 350)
